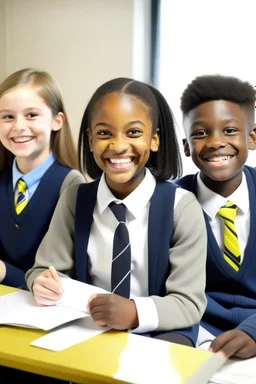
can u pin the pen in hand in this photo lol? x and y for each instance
(56, 278)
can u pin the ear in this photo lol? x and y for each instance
(252, 139)
(186, 147)
(89, 134)
(58, 121)
(155, 141)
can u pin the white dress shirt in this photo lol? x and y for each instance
(101, 238)
(211, 203)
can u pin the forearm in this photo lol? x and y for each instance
(11, 275)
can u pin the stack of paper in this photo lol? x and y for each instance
(236, 372)
(20, 309)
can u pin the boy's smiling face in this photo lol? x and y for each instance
(218, 135)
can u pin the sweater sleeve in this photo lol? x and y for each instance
(72, 178)
(15, 277)
(57, 247)
(249, 326)
(185, 300)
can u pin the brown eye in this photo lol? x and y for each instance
(103, 132)
(134, 132)
(230, 131)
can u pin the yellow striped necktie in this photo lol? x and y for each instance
(22, 196)
(231, 244)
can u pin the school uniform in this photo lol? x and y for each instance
(21, 234)
(167, 251)
(231, 295)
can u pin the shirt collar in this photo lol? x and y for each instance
(135, 202)
(211, 201)
(33, 176)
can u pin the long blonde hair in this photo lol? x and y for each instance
(61, 143)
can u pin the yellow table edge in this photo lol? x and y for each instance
(101, 355)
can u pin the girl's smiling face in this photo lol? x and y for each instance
(121, 139)
(26, 123)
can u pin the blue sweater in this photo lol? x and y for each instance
(231, 295)
(20, 235)
(160, 231)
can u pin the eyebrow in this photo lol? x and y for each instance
(5, 111)
(26, 109)
(204, 124)
(104, 124)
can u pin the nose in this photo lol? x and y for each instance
(216, 141)
(119, 144)
(19, 124)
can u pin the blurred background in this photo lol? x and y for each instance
(84, 43)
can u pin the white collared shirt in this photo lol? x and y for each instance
(101, 238)
(211, 203)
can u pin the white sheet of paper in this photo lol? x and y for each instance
(20, 309)
(77, 294)
(70, 334)
(236, 372)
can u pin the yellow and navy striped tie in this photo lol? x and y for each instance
(231, 245)
(22, 196)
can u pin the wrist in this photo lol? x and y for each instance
(134, 318)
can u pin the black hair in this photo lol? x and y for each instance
(218, 87)
(164, 164)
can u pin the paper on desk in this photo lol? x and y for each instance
(236, 372)
(20, 309)
(77, 294)
(70, 334)
(207, 369)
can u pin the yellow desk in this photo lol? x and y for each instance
(112, 357)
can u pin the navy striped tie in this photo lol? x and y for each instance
(121, 261)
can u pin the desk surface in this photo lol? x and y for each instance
(112, 357)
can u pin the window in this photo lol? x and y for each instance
(203, 37)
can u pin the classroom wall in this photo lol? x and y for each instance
(2, 42)
(81, 42)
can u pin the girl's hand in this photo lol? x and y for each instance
(235, 343)
(47, 287)
(114, 311)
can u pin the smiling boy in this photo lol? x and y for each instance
(218, 118)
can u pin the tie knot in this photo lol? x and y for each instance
(21, 186)
(228, 211)
(118, 210)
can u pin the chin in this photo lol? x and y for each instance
(220, 177)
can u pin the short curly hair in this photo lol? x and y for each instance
(218, 87)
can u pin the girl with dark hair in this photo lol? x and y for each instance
(130, 231)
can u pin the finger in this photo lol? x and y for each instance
(42, 301)
(47, 283)
(249, 350)
(99, 319)
(231, 347)
(99, 299)
(55, 275)
(41, 291)
(220, 341)
(92, 297)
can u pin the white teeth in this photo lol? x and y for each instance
(219, 158)
(22, 139)
(126, 160)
